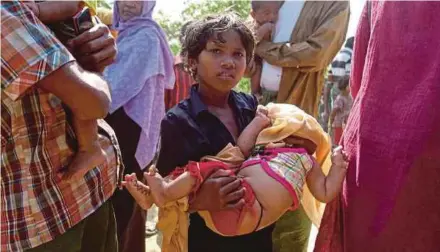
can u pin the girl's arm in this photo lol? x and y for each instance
(326, 188)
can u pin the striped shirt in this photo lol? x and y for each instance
(341, 65)
(181, 89)
(37, 141)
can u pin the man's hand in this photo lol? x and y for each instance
(94, 49)
(219, 192)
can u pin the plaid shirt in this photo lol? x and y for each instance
(37, 141)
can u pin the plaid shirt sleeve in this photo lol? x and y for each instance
(29, 50)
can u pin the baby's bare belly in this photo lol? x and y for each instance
(274, 197)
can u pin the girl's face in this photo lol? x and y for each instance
(221, 65)
(129, 9)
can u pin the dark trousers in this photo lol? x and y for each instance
(130, 218)
(97, 233)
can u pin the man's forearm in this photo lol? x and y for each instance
(56, 11)
(85, 93)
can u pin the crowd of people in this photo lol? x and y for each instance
(100, 120)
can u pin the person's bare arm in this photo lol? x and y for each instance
(326, 188)
(85, 93)
(246, 140)
(316, 51)
(54, 11)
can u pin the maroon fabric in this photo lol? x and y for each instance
(337, 133)
(181, 89)
(390, 197)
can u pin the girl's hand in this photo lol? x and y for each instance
(219, 192)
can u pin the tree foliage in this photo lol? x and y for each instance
(195, 10)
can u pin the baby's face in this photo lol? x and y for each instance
(268, 12)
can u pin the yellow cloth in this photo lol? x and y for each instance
(105, 15)
(316, 39)
(173, 224)
(287, 120)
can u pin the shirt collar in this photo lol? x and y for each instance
(197, 106)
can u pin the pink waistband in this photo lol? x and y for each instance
(265, 157)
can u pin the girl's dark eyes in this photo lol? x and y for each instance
(215, 51)
(239, 54)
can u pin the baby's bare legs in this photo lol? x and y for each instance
(166, 191)
(139, 191)
(89, 153)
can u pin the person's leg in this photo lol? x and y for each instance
(128, 133)
(292, 232)
(99, 233)
(70, 241)
(89, 154)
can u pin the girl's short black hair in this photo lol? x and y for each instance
(199, 32)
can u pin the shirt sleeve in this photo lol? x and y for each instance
(29, 51)
(171, 152)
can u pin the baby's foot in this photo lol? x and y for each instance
(139, 191)
(83, 162)
(157, 186)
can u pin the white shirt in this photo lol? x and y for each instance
(287, 17)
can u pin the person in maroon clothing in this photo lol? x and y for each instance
(184, 80)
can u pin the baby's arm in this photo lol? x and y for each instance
(54, 11)
(326, 188)
(246, 140)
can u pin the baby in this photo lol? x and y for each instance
(264, 15)
(53, 14)
(279, 165)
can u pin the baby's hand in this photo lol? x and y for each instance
(264, 31)
(339, 158)
(261, 116)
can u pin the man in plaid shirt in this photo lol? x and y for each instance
(39, 211)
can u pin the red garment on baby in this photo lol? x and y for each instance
(201, 171)
(227, 221)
